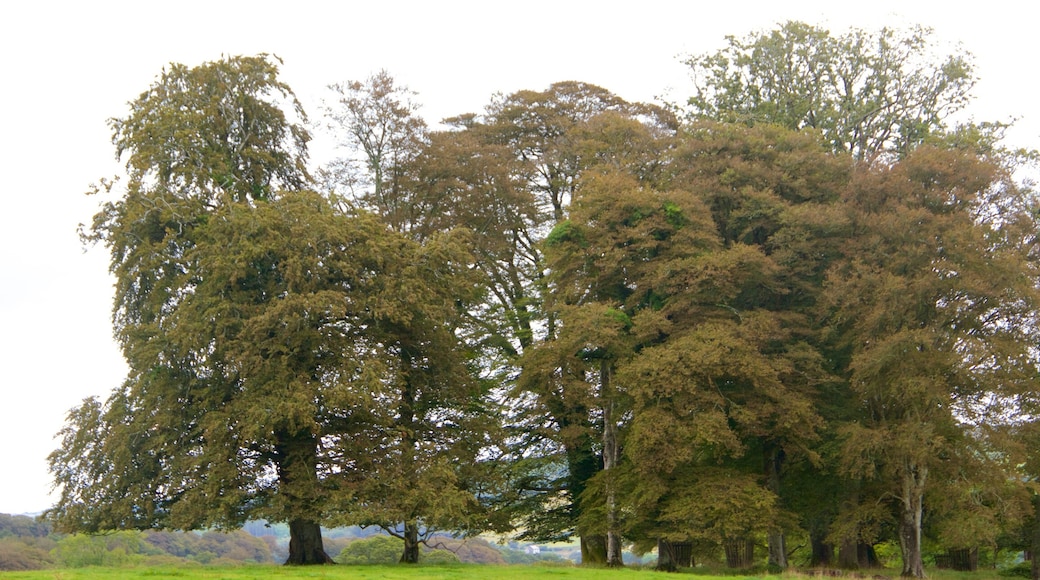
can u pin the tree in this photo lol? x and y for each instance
(559, 135)
(867, 93)
(543, 128)
(936, 302)
(255, 321)
(199, 141)
(421, 466)
(500, 175)
(728, 372)
(602, 264)
(377, 123)
(418, 468)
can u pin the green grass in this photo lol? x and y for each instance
(453, 572)
(448, 572)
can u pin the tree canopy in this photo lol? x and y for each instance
(805, 310)
(868, 93)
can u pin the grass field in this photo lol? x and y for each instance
(453, 572)
(460, 572)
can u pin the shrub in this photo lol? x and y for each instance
(374, 550)
(438, 557)
(1020, 570)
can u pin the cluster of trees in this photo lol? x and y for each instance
(25, 543)
(802, 306)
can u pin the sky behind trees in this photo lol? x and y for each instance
(68, 68)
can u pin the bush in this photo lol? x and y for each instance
(1020, 570)
(374, 550)
(438, 557)
(81, 550)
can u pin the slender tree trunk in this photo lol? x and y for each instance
(410, 555)
(406, 422)
(910, 520)
(774, 457)
(297, 458)
(610, 459)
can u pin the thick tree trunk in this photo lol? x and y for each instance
(910, 520)
(297, 459)
(848, 555)
(305, 544)
(410, 555)
(611, 455)
(740, 553)
(593, 550)
(822, 551)
(774, 457)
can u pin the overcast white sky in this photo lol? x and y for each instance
(66, 67)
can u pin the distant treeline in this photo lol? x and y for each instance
(27, 543)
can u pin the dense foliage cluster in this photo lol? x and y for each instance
(803, 308)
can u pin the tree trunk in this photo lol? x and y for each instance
(910, 520)
(848, 551)
(822, 551)
(406, 424)
(305, 544)
(1034, 539)
(868, 557)
(740, 553)
(297, 460)
(848, 555)
(410, 555)
(610, 459)
(674, 555)
(774, 457)
(963, 559)
(593, 550)
(582, 465)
